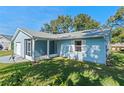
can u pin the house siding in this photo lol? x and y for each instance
(20, 38)
(93, 50)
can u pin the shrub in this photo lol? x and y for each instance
(57, 80)
(109, 81)
(115, 59)
(74, 78)
(77, 79)
(91, 74)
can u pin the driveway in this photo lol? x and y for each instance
(6, 59)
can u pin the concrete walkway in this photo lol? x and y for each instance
(6, 59)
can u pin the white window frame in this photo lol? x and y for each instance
(83, 45)
(75, 45)
(28, 52)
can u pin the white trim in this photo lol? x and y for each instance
(48, 44)
(53, 55)
(33, 49)
(17, 32)
(81, 45)
(28, 57)
(46, 57)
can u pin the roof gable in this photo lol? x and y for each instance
(17, 32)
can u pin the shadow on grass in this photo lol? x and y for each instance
(61, 72)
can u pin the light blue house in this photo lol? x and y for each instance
(88, 45)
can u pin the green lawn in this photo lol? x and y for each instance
(5, 52)
(64, 72)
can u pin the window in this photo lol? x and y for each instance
(78, 45)
(53, 47)
(28, 47)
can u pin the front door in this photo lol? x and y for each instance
(18, 48)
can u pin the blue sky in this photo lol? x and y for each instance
(34, 17)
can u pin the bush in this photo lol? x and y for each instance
(115, 59)
(57, 80)
(76, 78)
(116, 40)
(109, 81)
(91, 74)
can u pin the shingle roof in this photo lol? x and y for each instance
(40, 34)
(9, 37)
(83, 34)
(72, 35)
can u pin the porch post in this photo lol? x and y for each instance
(33, 49)
(48, 42)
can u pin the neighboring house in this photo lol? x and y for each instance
(117, 47)
(5, 42)
(92, 45)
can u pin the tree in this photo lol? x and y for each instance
(83, 22)
(65, 24)
(117, 20)
(115, 40)
(117, 31)
(116, 23)
(62, 24)
(46, 28)
(118, 35)
(54, 26)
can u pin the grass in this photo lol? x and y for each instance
(5, 52)
(64, 72)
